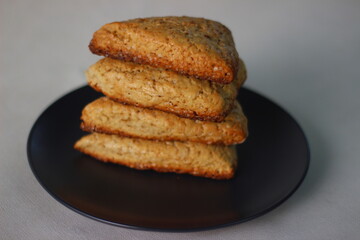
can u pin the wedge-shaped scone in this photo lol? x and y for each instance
(156, 88)
(212, 161)
(191, 46)
(106, 116)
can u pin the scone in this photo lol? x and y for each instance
(212, 161)
(156, 88)
(106, 116)
(190, 46)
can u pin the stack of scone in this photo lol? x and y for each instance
(170, 86)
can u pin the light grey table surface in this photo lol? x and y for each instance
(304, 55)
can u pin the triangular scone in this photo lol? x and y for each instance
(212, 161)
(191, 46)
(106, 116)
(156, 88)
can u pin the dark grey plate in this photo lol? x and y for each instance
(272, 164)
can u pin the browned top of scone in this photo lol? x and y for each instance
(191, 46)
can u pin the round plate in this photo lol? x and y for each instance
(272, 163)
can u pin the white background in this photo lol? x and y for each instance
(304, 55)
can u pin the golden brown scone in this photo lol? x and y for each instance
(156, 88)
(106, 116)
(187, 45)
(212, 161)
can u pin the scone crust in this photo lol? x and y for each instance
(106, 116)
(155, 88)
(190, 46)
(210, 161)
